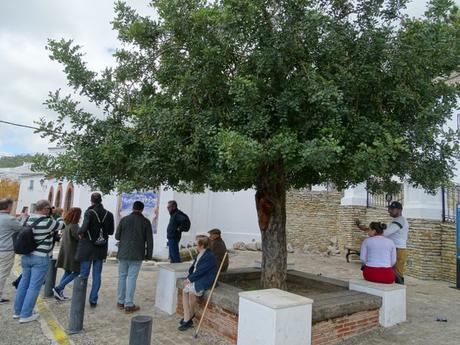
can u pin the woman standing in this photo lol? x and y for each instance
(378, 255)
(66, 257)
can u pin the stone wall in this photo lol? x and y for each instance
(312, 218)
(448, 252)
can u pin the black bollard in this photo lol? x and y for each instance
(77, 305)
(50, 279)
(141, 330)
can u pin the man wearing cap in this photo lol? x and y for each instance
(397, 231)
(218, 248)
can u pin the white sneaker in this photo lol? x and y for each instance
(31, 318)
(16, 316)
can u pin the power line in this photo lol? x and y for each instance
(18, 125)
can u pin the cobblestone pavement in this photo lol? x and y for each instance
(107, 325)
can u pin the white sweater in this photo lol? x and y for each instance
(378, 251)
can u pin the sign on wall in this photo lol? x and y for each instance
(151, 204)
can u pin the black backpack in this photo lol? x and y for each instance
(24, 241)
(186, 224)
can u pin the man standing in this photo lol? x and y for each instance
(8, 226)
(398, 231)
(218, 248)
(92, 248)
(136, 244)
(35, 265)
(178, 222)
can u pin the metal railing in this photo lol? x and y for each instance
(382, 200)
(450, 199)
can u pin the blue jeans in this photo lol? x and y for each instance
(174, 255)
(128, 270)
(85, 268)
(34, 269)
(66, 279)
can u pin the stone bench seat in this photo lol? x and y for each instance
(393, 309)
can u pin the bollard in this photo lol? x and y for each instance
(50, 280)
(141, 330)
(77, 306)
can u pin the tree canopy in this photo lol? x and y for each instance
(205, 94)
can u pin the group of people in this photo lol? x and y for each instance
(85, 247)
(384, 252)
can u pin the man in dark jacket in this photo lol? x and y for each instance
(201, 277)
(218, 248)
(136, 244)
(178, 222)
(92, 248)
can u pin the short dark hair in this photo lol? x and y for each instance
(96, 198)
(5, 203)
(138, 205)
(172, 202)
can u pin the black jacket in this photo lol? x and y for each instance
(175, 222)
(135, 235)
(86, 250)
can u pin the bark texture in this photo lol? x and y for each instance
(271, 210)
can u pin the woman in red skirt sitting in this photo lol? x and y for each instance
(378, 255)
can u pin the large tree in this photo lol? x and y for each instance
(265, 94)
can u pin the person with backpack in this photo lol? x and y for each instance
(134, 233)
(98, 225)
(178, 222)
(35, 242)
(8, 226)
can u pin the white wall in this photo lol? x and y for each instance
(233, 213)
(27, 196)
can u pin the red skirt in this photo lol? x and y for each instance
(384, 275)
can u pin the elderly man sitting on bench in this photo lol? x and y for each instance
(201, 277)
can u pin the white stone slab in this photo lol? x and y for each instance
(274, 317)
(166, 291)
(393, 309)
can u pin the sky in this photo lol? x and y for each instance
(28, 75)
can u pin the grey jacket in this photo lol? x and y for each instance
(8, 226)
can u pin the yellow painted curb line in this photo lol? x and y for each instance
(58, 333)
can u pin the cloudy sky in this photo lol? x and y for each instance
(27, 74)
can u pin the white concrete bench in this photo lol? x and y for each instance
(258, 264)
(166, 292)
(393, 309)
(274, 317)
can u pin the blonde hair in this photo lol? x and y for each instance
(202, 240)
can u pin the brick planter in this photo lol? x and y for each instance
(337, 315)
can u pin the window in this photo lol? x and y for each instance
(68, 201)
(51, 195)
(58, 200)
(31, 184)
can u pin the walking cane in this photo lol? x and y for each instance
(209, 297)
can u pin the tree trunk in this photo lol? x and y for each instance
(271, 210)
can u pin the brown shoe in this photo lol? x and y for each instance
(120, 306)
(133, 309)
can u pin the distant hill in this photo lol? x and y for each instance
(15, 161)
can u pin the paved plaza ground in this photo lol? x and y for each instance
(426, 300)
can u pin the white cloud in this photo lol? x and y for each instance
(26, 70)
